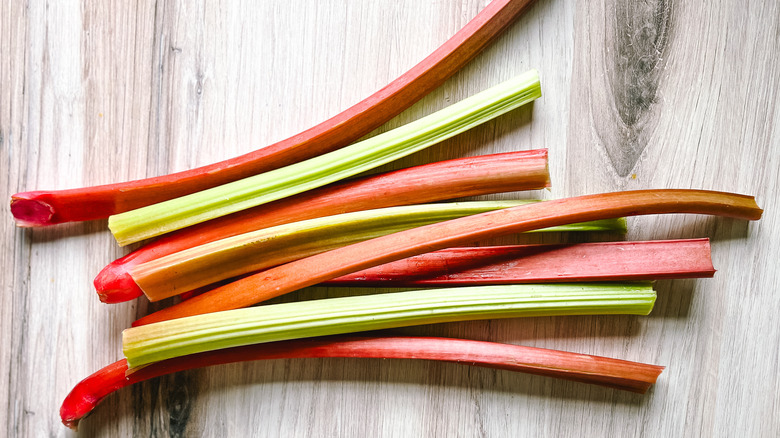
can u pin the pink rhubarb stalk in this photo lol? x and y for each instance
(40, 208)
(352, 258)
(601, 261)
(613, 373)
(515, 264)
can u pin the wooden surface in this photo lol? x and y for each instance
(652, 94)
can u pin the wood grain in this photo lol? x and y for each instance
(652, 94)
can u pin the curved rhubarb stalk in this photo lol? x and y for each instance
(512, 171)
(596, 261)
(246, 253)
(604, 371)
(328, 265)
(174, 214)
(52, 207)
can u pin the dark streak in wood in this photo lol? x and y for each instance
(637, 39)
(144, 403)
(178, 404)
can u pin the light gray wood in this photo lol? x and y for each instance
(636, 95)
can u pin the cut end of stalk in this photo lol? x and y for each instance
(115, 285)
(653, 372)
(31, 212)
(622, 225)
(759, 212)
(548, 182)
(71, 424)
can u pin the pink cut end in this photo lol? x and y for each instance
(115, 285)
(30, 212)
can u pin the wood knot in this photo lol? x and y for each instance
(637, 36)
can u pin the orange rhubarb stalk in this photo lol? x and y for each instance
(512, 171)
(40, 208)
(328, 265)
(246, 253)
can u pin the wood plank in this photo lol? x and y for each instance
(692, 120)
(636, 95)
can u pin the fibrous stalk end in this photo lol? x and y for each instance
(28, 211)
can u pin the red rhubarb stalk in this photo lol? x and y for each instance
(602, 261)
(352, 258)
(515, 264)
(613, 373)
(52, 207)
(513, 171)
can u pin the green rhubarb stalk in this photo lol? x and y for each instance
(250, 252)
(277, 322)
(157, 219)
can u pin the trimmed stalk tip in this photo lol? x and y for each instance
(30, 212)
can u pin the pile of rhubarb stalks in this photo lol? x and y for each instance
(307, 211)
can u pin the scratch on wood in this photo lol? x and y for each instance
(634, 62)
(199, 84)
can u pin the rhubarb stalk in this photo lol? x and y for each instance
(341, 261)
(604, 371)
(512, 171)
(331, 316)
(251, 252)
(167, 216)
(598, 261)
(52, 207)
